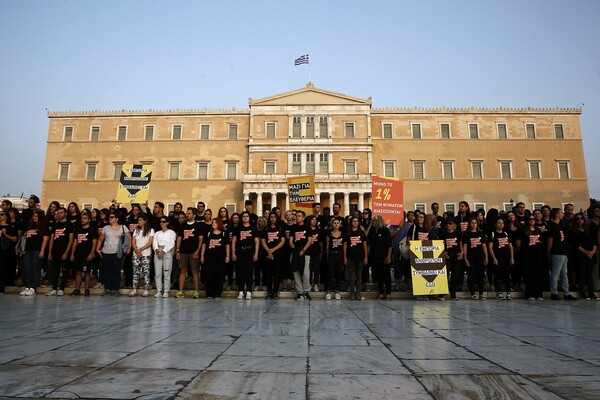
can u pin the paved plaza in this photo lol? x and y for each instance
(147, 348)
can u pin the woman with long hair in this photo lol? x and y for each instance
(273, 242)
(463, 216)
(8, 239)
(114, 241)
(502, 254)
(315, 249)
(335, 258)
(259, 266)
(476, 258)
(380, 255)
(35, 246)
(355, 257)
(224, 216)
(245, 254)
(234, 222)
(214, 256)
(164, 248)
(584, 248)
(73, 213)
(530, 244)
(141, 245)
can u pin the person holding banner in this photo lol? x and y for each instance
(300, 263)
(476, 258)
(355, 257)
(380, 254)
(454, 256)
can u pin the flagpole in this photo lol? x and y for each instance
(309, 73)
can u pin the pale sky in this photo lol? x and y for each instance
(107, 55)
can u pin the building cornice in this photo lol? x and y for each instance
(150, 112)
(476, 110)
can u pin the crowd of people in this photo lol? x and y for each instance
(148, 251)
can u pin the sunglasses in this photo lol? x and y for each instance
(112, 216)
(162, 221)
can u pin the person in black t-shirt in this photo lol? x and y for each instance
(531, 247)
(501, 251)
(314, 250)
(454, 256)
(245, 244)
(273, 243)
(300, 263)
(380, 254)
(476, 258)
(355, 257)
(187, 253)
(558, 248)
(214, 255)
(83, 253)
(584, 248)
(61, 240)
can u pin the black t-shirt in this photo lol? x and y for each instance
(299, 236)
(273, 237)
(475, 242)
(452, 243)
(335, 243)
(216, 246)
(35, 239)
(380, 241)
(61, 232)
(417, 232)
(462, 222)
(85, 239)
(132, 224)
(354, 244)
(560, 246)
(245, 236)
(11, 230)
(314, 235)
(532, 243)
(580, 239)
(190, 234)
(500, 242)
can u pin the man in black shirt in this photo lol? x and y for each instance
(558, 250)
(61, 240)
(300, 264)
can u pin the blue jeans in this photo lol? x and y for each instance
(112, 271)
(559, 266)
(32, 265)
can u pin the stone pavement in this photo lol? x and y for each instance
(147, 348)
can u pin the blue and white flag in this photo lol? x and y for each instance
(301, 60)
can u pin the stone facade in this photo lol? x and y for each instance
(222, 157)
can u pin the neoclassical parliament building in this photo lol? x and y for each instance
(488, 157)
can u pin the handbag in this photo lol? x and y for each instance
(124, 243)
(20, 247)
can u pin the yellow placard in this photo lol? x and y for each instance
(134, 184)
(301, 191)
(428, 267)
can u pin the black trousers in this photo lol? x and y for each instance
(215, 276)
(475, 274)
(56, 267)
(455, 272)
(245, 270)
(335, 261)
(381, 272)
(535, 274)
(502, 274)
(272, 273)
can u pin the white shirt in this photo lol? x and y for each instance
(165, 239)
(141, 240)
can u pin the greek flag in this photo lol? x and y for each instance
(301, 60)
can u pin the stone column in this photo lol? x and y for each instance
(286, 205)
(346, 204)
(361, 201)
(259, 203)
(274, 199)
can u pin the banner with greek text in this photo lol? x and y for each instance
(428, 267)
(387, 196)
(134, 184)
(301, 191)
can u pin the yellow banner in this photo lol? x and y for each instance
(134, 184)
(428, 267)
(301, 190)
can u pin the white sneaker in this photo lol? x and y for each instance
(256, 288)
(157, 295)
(241, 296)
(24, 292)
(328, 296)
(30, 292)
(60, 293)
(540, 299)
(50, 293)
(316, 288)
(337, 296)
(145, 294)
(165, 295)
(132, 293)
(248, 295)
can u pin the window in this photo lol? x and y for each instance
(418, 170)
(88, 206)
(473, 131)
(421, 207)
(90, 171)
(230, 208)
(537, 206)
(558, 131)
(310, 163)
(479, 206)
(323, 126)
(445, 131)
(118, 167)
(387, 131)
(477, 169)
(231, 170)
(296, 163)
(389, 169)
(416, 131)
(122, 133)
(174, 171)
(508, 206)
(310, 127)
(296, 129)
(271, 130)
(349, 129)
(350, 167)
(149, 132)
(505, 170)
(204, 131)
(534, 170)
(530, 131)
(450, 207)
(448, 169)
(502, 131)
(324, 163)
(269, 167)
(68, 134)
(63, 171)
(95, 133)
(202, 171)
(233, 131)
(563, 170)
(176, 132)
